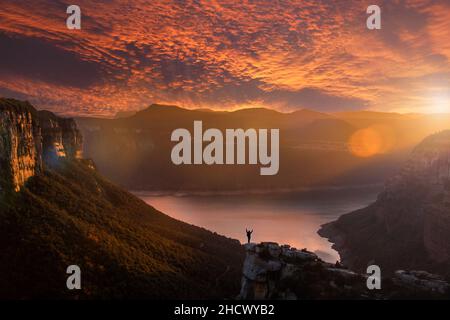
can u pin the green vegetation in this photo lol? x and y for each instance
(69, 214)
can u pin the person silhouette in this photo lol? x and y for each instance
(249, 234)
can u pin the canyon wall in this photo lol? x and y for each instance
(409, 224)
(60, 137)
(31, 139)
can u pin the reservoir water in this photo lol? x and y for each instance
(287, 218)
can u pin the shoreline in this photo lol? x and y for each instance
(279, 191)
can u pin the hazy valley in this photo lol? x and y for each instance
(316, 149)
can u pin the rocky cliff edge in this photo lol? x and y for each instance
(272, 271)
(31, 139)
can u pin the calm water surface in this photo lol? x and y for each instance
(289, 218)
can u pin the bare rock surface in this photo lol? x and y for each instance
(271, 271)
(30, 139)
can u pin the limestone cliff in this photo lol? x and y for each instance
(30, 139)
(271, 271)
(61, 137)
(409, 224)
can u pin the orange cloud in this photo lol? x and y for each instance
(226, 54)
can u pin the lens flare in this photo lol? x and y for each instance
(370, 141)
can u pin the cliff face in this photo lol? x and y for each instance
(20, 144)
(409, 224)
(30, 139)
(61, 137)
(280, 272)
(431, 162)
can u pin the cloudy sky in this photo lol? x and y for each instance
(226, 54)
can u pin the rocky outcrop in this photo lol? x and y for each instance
(61, 137)
(30, 139)
(422, 281)
(408, 227)
(271, 271)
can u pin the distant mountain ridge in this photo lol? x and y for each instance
(135, 151)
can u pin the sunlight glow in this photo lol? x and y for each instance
(441, 104)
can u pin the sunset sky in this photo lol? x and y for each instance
(226, 54)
